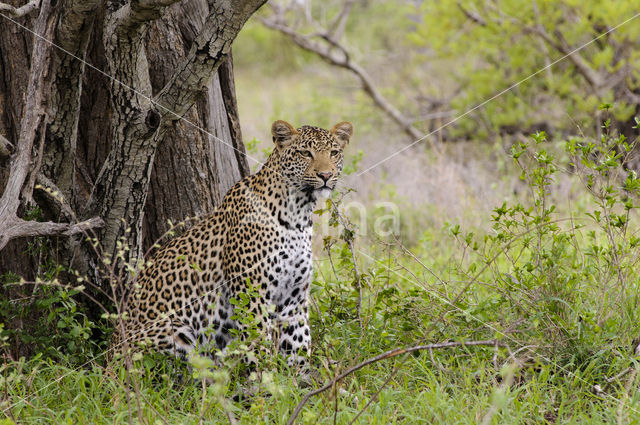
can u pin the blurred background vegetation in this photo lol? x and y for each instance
(517, 216)
(435, 61)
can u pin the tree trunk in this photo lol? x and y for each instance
(146, 130)
(186, 180)
(141, 118)
(15, 53)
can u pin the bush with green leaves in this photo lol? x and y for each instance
(44, 317)
(566, 284)
(506, 42)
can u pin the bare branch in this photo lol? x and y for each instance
(333, 52)
(340, 23)
(563, 47)
(560, 44)
(6, 148)
(473, 16)
(376, 394)
(32, 118)
(387, 355)
(17, 228)
(18, 12)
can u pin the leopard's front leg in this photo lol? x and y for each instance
(231, 321)
(295, 337)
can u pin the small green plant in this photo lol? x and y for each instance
(566, 280)
(44, 316)
(249, 345)
(53, 322)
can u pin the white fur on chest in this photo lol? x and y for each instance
(292, 268)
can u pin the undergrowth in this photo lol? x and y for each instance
(552, 285)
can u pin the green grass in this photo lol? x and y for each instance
(463, 388)
(452, 386)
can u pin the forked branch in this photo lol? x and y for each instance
(327, 47)
(555, 41)
(22, 228)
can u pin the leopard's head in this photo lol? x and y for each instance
(311, 157)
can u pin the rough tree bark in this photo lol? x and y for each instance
(144, 132)
(188, 159)
(140, 118)
(25, 164)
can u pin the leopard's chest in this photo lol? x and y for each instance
(290, 271)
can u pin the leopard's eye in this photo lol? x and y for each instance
(306, 154)
(335, 152)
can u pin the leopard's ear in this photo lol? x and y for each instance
(343, 131)
(283, 133)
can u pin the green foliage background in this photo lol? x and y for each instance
(508, 49)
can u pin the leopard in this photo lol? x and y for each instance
(256, 244)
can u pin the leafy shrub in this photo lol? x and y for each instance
(45, 317)
(564, 284)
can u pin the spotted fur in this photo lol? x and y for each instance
(261, 234)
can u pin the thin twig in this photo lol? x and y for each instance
(356, 273)
(623, 400)
(374, 397)
(143, 398)
(388, 355)
(473, 16)
(54, 283)
(495, 406)
(424, 266)
(618, 376)
(340, 23)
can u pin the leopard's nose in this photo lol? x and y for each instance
(325, 175)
